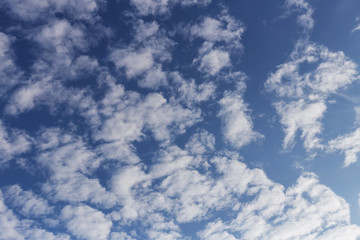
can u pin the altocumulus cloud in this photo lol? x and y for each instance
(127, 120)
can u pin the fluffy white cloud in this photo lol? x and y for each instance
(214, 61)
(305, 18)
(224, 30)
(12, 143)
(33, 9)
(303, 116)
(304, 93)
(85, 222)
(70, 163)
(152, 112)
(10, 75)
(305, 210)
(348, 144)
(328, 72)
(189, 92)
(156, 7)
(14, 228)
(237, 123)
(28, 203)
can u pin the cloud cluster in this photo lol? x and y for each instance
(111, 135)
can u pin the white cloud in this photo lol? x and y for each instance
(86, 223)
(135, 63)
(34, 10)
(69, 163)
(223, 29)
(14, 228)
(332, 71)
(10, 75)
(12, 143)
(214, 61)
(191, 93)
(305, 210)
(305, 18)
(155, 7)
(29, 204)
(237, 123)
(304, 83)
(153, 113)
(348, 144)
(304, 116)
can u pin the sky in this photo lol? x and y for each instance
(179, 119)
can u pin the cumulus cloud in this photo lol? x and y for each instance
(237, 123)
(303, 116)
(28, 203)
(305, 10)
(214, 61)
(10, 75)
(34, 10)
(85, 222)
(155, 7)
(14, 228)
(348, 144)
(12, 143)
(223, 31)
(305, 210)
(326, 72)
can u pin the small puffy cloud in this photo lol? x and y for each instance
(10, 75)
(28, 203)
(201, 142)
(304, 83)
(134, 62)
(304, 116)
(214, 61)
(14, 228)
(224, 29)
(12, 143)
(237, 123)
(306, 210)
(348, 144)
(328, 72)
(34, 10)
(85, 222)
(153, 113)
(189, 92)
(305, 10)
(155, 7)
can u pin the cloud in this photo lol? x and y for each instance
(348, 144)
(304, 83)
(305, 210)
(28, 203)
(214, 61)
(10, 75)
(143, 58)
(189, 92)
(154, 7)
(69, 163)
(304, 8)
(34, 10)
(237, 123)
(221, 35)
(304, 116)
(12, 143)
(14, 228)
(85, 222)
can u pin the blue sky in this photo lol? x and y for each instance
(171, 119)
